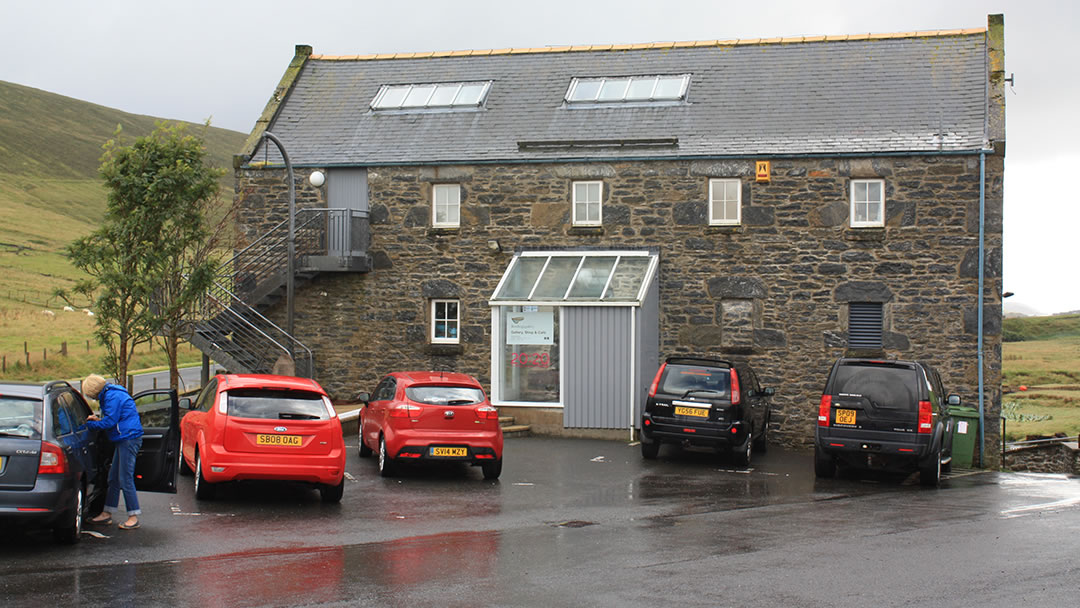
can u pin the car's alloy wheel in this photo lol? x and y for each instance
(203, 489)
(70, 533)
(649, 449)
(930, 474)
(824, 465)
(182, 466)
(492, 470)
(330, 493)
(386, 467)
(365, 452)
(742, 454)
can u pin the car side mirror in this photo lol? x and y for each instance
(363, 398)
(768, 392)
(953, 399)
(185, 403)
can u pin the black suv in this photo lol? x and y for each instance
(710, 403)
(884, 415)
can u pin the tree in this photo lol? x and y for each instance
(152, 240)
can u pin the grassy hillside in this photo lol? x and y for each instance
(50, 192)
(1041, 376)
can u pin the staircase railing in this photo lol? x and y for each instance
(243, 339)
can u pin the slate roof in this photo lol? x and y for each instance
(914, 92)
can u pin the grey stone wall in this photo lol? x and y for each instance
(1052, 457)
(774, 289)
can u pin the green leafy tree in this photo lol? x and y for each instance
(151, 259)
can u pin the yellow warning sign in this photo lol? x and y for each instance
(764, 170)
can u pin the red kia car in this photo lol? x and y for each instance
(415, 417)
(263, 427)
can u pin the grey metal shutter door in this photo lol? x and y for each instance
(597, 357)
(864, 325)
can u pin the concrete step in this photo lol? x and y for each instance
(515, 430)
(505, 420)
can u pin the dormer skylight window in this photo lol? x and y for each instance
(441, 95)
(627, 89)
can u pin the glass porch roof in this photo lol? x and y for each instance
(576, 277)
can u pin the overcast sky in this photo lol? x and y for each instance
(221, 60)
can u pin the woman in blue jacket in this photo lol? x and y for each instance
(121, 421)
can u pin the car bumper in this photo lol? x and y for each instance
(879, 450)
(415, 445)
(220, 466)
(42, 505)
(693, 434)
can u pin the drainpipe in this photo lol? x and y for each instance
(982, 271)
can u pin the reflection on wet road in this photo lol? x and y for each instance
(570, 523)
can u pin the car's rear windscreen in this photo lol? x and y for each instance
(444, 395)
(20, 417)
(687, 380)
(886, 386)
(276, 404)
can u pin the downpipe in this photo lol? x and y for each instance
(982, 280)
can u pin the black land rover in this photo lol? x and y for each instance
(884, 415)
(709, 403)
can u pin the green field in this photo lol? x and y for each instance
(1042, 357)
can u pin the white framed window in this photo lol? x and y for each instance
(587, 208)
(628, 89)
(446, 205)
(725, 202)
(441, 95)
(445, 321)
(867, 203)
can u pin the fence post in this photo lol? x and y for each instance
(5, 364)
(88, 346)
(24, 348)
(44, 354)
(131, 383)
(27, 359)
(63, 348)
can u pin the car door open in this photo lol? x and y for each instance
(156, 464)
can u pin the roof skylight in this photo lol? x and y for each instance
(578, 277)
(625, 89)
(456, 95)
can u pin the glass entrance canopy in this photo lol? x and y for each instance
(579, 278)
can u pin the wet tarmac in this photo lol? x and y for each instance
(578, 523)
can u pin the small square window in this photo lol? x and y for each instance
(445, 321)
(867, 203)
(446, 205)
(587, 208)
(725, 202)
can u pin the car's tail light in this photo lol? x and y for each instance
(925, 416)
(329, 407)
(823, 410)
(52, 459)
(405, 411)
(487, 413)
(223, 403)
(656, 381)
(736, 397)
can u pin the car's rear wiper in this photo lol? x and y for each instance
(702, 390)
(459, 402)
(295, 416)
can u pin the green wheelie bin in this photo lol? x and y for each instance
(965, 435)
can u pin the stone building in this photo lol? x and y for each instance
(784, 200)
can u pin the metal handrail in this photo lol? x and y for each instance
(1034, 442)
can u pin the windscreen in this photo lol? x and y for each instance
(20, 417)
(445, 395)
(886, 386)
(689, 380)
(276, 404)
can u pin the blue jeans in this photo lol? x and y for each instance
(122, 476)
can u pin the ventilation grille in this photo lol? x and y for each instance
(864, 325)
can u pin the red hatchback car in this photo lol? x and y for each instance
(431, 416)
(263, 427)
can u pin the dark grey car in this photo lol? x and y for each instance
(54, 471)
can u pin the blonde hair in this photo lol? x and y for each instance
(91, 387)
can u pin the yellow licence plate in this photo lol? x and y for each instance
(691, 411)
(288, 440)
(845, 416)
(449, 452)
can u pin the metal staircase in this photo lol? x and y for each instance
(233, 330)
